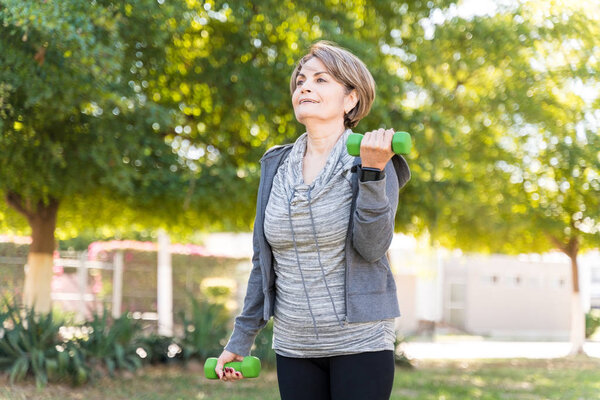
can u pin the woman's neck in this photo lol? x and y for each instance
(322, 138)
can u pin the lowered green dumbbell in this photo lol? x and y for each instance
(401, 143)
(250, 367)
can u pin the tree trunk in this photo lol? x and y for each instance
(577, 315)
(38, 275)
(577, 325)
(577, 334)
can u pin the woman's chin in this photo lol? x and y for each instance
(310, 117)
(303, 117)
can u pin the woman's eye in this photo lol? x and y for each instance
(299, 83)
(321, 80)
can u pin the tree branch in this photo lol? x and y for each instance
(16, 201)
(557, 243)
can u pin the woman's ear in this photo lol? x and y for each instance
(350, 101)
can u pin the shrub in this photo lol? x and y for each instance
(264, 345)
(592, 322)
(400, 357)
(31, 344)
(160, 349)
(205, 329)
(110, 344)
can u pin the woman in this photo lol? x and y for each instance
(324, 222)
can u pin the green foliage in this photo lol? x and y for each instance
(140, 79)
(41, 346)
(592, 322)
(204, 330)
(160, 349)
(31, 344)
(217, 292)
(110, 343)
(233, 83)
(263, 345)
(505, 156)
(400, 358)
(505, 135)
(74, 78)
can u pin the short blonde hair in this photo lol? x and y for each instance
(347, 69)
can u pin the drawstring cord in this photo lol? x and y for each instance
(314, 231)
(312, 222)
(298, 261)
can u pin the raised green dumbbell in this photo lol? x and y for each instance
(250, 367)
(401, 143)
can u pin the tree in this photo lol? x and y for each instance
(480, 95)
(77, 125)
(230, 77)
(135, 80)
(516, 166)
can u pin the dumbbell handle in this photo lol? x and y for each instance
(401, 143)
(250, 367)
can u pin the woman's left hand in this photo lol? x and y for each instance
(376, 148)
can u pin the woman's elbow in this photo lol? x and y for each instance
(372, 249)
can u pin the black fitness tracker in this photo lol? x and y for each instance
(371, 174)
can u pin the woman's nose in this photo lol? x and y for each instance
(306, 87)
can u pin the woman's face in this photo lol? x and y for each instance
(318, 97)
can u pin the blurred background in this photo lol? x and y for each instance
(131, 133)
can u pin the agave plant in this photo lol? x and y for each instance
(204, 330)
(31, 344)
(111, 343)
(159, 349)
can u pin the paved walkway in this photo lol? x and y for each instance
(493, 349)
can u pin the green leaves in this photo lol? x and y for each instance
(504, 133)
(204, 329)
(73, 103)
(152, 115)
(111, 342)
(31, 344)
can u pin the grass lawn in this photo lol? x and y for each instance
(566, 378)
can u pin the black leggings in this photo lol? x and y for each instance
(364, 376)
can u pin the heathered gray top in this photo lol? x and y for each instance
(306, 226)
(370, 287)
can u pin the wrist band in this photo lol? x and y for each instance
(371, 174)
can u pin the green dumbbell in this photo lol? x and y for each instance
(250, 367)
(401, 143)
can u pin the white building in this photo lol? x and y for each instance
(510, 297)
(513, 297)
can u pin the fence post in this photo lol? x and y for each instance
(439, 286)
(82, 278)
(164, 285)
(117, 293)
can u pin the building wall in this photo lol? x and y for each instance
(407, 298)
(589, 270)
(510, 297)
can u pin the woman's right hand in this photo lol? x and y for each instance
(228, 374)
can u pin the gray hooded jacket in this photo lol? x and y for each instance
(370, 287)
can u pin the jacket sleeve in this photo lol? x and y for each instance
(376, 205)
(251, 320)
